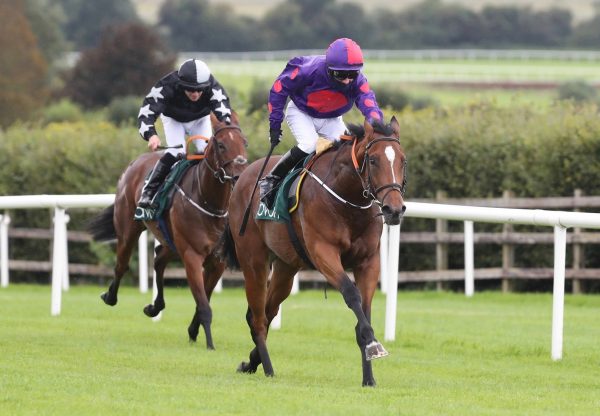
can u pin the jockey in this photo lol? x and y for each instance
(321, 88)
(184, 100)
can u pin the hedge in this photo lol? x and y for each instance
(478, 150)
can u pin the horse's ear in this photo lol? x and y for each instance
(234, 118)
(395, 126)
(368, 130)
(213, 119)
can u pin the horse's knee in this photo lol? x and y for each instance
(350, 293)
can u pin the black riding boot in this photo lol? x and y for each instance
(158, 175)
(283, 166)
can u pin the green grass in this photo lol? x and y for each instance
(488, 355)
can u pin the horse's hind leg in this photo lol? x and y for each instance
(125, 244)
(280, 286)
(279, 289)
(162, 257)
(255, 277)
(213, 270)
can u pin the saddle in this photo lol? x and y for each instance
(164, 196)
(288, 191)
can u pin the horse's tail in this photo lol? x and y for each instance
(226, 249)
(102, 227)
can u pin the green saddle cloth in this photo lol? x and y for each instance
(164, 196)
(280, 211)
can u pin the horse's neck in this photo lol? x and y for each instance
(337, 171)
(208, 190)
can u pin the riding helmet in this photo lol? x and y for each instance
(344, 54)
(194, 75)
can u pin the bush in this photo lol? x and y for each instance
(124, 110)
(577, 91)
(391, 96)
(63, 110)
(258, 96)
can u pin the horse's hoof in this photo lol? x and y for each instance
(150, 311)
(210, 347)
(109, 300)
(245, 367)
(375, 350)
(369, 383)
(193, 334)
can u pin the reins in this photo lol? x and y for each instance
(368, 192)
(219, 173)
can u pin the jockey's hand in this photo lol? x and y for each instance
(275, 136)
(153, 142)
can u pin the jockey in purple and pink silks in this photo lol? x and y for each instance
(321, 89)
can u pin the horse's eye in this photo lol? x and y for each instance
(372, 161)
(222, 147)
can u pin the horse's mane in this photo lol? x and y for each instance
(359, 130)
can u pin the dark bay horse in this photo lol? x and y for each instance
(195, 221)
(338, 223)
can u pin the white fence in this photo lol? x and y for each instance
(559, 220)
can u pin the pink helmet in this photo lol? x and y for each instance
(344, 54)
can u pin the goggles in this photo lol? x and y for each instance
(194, 89)
(341, 75)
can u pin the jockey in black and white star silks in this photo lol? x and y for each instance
(184, 100)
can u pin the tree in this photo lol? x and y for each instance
(197, 25)
(87, 20)
(24, 70)
(45, 19)
(128, 61)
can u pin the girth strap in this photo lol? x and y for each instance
(297, 245)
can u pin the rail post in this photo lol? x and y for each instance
(4, 221)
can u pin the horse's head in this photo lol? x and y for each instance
(382, 167)
(226, 153)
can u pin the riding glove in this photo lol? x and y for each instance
(275, 136)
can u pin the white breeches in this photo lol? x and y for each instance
(176, 132)
(307, 129)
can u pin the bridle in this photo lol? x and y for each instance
(219, 171)
(368, 191)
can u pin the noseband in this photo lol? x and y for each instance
(368, 191)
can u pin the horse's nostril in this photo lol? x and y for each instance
(403, 209)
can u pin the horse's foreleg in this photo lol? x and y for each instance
(364, 331)
(213, 270)
(366, 277)
(203, 314)
(162, 257)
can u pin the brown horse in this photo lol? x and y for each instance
(195, 221)
(338, 226)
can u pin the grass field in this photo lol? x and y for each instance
(445, 81)
(488, 355)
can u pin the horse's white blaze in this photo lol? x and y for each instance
(391, 155)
